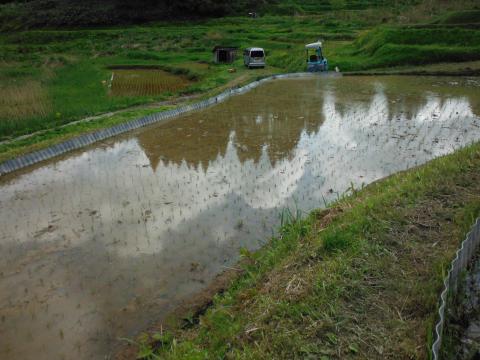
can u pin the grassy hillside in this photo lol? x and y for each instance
(52, 77)
(358, 280)
(387, 46)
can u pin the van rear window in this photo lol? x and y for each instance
(256, 54)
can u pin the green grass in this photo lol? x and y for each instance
(358, 280)
(56, 135)
(393, 46)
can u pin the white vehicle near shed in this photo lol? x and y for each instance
(254, 57)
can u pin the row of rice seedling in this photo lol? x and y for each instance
(146, 82)
(21, 103)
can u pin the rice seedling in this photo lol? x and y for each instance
(146, 82)
(20, 103)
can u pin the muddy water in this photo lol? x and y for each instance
(95, 245)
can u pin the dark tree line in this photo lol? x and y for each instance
(35, 13)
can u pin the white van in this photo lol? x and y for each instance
(254, 57)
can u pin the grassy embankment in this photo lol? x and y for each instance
(360, 279)
(50, 78)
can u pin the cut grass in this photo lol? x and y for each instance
(358, 280)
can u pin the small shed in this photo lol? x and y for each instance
(224, 54)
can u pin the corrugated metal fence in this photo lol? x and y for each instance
(88, 139)
(464, 255)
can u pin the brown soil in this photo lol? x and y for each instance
(191, 309)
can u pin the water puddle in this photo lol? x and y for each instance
(97, 244)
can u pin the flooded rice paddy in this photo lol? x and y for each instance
(97, 244)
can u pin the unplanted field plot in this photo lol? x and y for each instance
(146, 82)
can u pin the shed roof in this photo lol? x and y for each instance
(224, 48)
